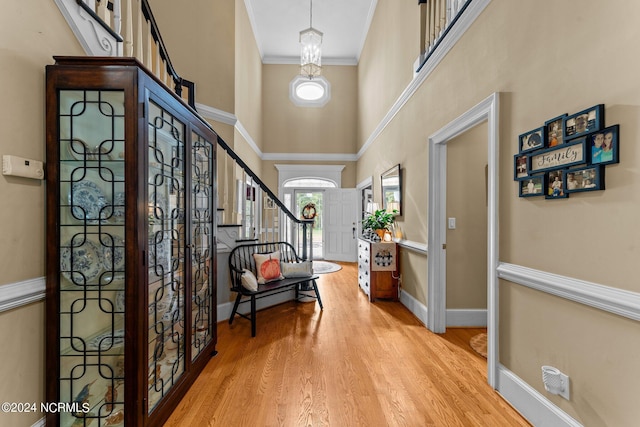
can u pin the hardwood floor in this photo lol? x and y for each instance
(354, 364)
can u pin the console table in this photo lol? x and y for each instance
(378, 269)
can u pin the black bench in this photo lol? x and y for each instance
(241, 258)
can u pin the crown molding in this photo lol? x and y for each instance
(310, 157)
(295, 60)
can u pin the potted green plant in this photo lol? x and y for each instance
(380, 221)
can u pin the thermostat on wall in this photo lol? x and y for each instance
(18, 166)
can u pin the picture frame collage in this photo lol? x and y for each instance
(566, 155)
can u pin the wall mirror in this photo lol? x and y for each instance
(392, 190)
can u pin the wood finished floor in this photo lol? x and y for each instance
(354, 364)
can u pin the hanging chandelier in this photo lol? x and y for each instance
(311, 49)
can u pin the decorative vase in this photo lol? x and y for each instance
(380, 232)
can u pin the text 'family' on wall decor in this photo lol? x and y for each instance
(566, 155)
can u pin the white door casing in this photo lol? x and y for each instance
(487, 110)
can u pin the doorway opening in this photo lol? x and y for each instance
(304, 200)
(486, 111)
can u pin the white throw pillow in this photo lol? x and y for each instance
(296, 269)
(249, 281)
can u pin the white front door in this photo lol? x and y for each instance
(340, 224)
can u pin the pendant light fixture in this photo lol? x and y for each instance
(311, 49)
(309, 88)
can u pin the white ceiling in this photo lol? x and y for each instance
(277, 25)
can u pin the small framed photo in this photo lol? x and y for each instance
(604, 146)
(554, 185)
(531, 140)
(520, 166)
(584, 122)
(532, 186)
(554, 131)
(586, 179)
(269, 203)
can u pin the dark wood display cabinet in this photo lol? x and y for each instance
(131, 185)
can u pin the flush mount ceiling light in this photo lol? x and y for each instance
(309, 93)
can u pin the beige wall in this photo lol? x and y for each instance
(540, 74)
(289, 128)
(31, 32)
(467, 203)
(200, 38)
(385, 66)
(248, 77)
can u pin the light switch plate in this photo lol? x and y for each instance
(452, 224)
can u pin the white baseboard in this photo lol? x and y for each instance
(416, 307)
(536, 408)
(470, 318)
(40, 423)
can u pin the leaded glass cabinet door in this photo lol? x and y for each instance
(203, 313)
(92, 277)
(166, 252)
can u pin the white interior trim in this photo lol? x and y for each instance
(17, 294)
(613, 300)
(329, 172)
(214, 114)
(533, 406)
(467, 317)
(486, 110)
(414, 246)
(414, 306)
(309, 157)
(93, 37)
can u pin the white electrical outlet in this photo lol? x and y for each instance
(555, 382)
(19, 166)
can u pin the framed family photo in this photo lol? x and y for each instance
(269, 203)
(533, 186)
(586, 179)
(554, 131)
(520, 166)
(605, 146)
(584, 122)
(531, 140)
(554, 185)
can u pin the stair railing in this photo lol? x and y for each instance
(133, 25)
(436, 18)
(246, 200)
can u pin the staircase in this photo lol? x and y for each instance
(249, 210)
